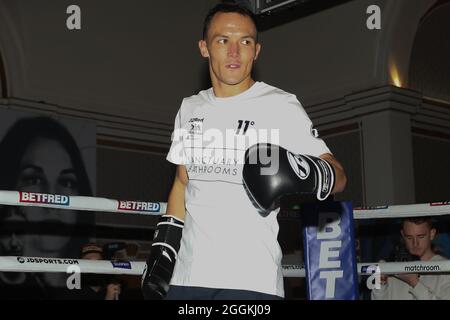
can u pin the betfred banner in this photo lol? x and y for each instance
(330, 257)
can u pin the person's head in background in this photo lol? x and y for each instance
(92, 251)
(230, 43)
(40, 155)
(418, 234)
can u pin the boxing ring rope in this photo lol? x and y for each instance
(40, 264)
(20, 198)
(117, 267)
(402, 211)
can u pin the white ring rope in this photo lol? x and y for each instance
(17, 198)
(31, 264)
(368, 268)
(403, 211)
(36, 264)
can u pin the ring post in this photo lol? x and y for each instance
(330, 257)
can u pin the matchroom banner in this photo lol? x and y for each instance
(330, 257)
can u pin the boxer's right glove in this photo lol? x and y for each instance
(159, 267)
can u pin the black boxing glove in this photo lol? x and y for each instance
(271, 172)
(159, 267)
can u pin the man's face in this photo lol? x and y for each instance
(46, 167)
(418, 237)
(92, 256)
(231, 48)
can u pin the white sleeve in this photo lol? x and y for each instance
(423, 292)
(176, 153)
(380, 294)
(297, 134)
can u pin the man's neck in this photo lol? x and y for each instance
(427, 256)
(222, 90)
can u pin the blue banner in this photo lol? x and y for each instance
(330, 257)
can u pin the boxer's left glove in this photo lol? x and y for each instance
(159, 267)
(271, 172)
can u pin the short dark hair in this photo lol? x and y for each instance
(91, 248)
(419, 220)
(227, 7)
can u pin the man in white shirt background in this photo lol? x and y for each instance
(418, 234)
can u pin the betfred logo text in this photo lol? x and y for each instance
(440, 203)
(139, 206)
(31, 197)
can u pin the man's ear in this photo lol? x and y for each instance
(258, 50)
(432, 233)
(401, 232)
(203, 49)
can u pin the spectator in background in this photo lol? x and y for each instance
(125, 251)
(418, 234)
(95, 286)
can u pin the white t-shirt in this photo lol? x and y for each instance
(226, 243)
(431, 286)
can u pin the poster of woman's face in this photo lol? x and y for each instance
(45, 155)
